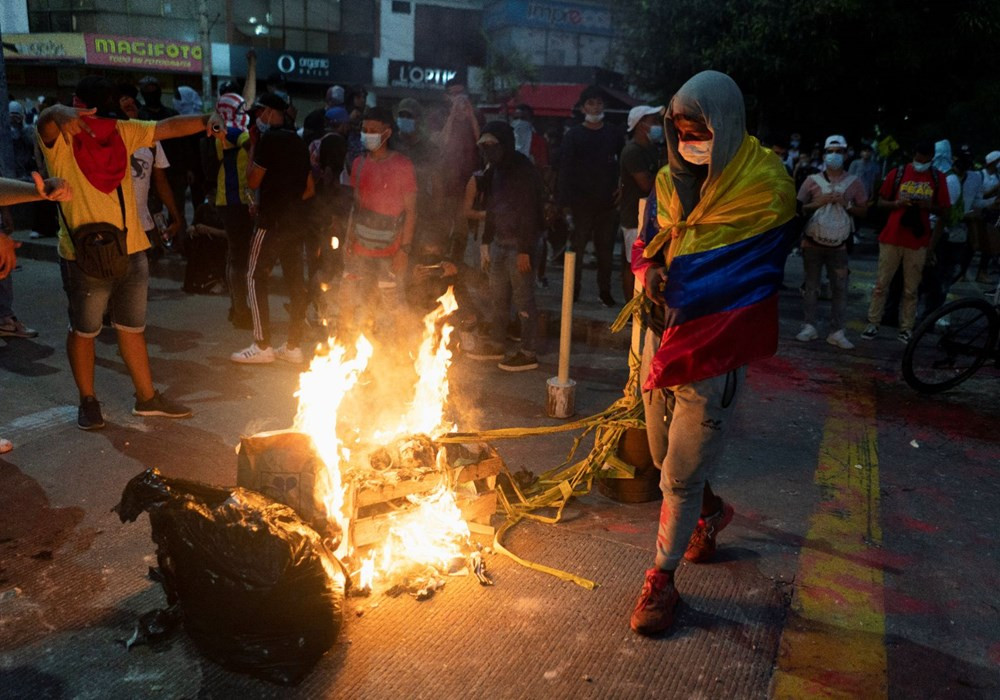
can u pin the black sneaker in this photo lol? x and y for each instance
(870, 332)
(88, 416)
(514, 330)
(159, 405)
(485, 350)
(519, 361)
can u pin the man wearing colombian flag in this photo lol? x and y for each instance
(710, 255)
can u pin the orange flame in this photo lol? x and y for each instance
(322, 388)
(430, 534)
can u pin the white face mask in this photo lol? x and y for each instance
(371, 142)
(696, 152)
(921, 167)
(834, 160)
(594, 118)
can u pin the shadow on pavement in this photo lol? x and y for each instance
(24, 357)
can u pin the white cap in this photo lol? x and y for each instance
(637, 113)
(835, 141)
(992, 157)
(15, 107)
(335, 95)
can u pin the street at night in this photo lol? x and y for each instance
(523, 349)
(864, 530)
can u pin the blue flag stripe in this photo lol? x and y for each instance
(727, 278)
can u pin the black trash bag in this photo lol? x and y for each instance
(257, 589)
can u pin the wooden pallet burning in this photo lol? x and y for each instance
(283, 465)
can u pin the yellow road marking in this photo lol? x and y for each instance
(833, 643)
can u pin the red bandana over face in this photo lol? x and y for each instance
(102, 157)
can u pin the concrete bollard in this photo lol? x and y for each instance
(561, 398)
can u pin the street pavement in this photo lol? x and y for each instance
(862, 561)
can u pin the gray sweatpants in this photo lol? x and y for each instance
(685, 425)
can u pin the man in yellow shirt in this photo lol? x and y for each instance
(88, 146)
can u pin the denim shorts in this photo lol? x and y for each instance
(89, 297)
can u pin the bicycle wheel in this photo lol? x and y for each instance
(950, 345)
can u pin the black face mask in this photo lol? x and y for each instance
(151, 98)
(109, 108)
(492, 153)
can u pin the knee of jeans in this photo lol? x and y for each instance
(681, 488)
(85, 334)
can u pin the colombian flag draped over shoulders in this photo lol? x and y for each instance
(724, 267)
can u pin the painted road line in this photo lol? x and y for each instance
(833, 643)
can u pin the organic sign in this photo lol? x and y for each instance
(300, 67)
(143, 52)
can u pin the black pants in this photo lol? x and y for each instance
(939, 277)
(272, 242)
(239, 228)
(599, 225)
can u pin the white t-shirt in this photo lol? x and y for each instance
(990, 180)
(958, 232)
(143, 162)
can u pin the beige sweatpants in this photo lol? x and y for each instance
(889, 259)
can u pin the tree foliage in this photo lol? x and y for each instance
(909, 67)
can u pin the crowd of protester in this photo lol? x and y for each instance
(934, 210)
(373, 211)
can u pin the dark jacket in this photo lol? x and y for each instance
(512, 195)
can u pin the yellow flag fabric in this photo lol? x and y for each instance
(753, 195)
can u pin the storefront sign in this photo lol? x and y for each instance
(143, 53)
(559, 16)
(298, 67)
(44, 47)
(412, 75)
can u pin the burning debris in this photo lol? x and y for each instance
(409, 503)
(400, 499)
(255, 573)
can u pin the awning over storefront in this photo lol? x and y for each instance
(549, 100)
(556, 100)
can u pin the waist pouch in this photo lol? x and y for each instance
(376, 231)
(101, 248)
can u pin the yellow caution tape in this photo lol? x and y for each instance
(553, 489)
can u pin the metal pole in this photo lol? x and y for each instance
(206, 55)
(6, 142)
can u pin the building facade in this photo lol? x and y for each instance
(396, 47)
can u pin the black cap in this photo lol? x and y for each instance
(379, 114)
(269, 99)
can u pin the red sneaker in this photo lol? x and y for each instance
(701, 546)
(654, 611)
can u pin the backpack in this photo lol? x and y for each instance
(830, 225)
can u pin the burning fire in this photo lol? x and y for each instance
(430, 535)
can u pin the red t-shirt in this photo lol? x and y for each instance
(384, 183)
(539, 150)
(899, 229)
